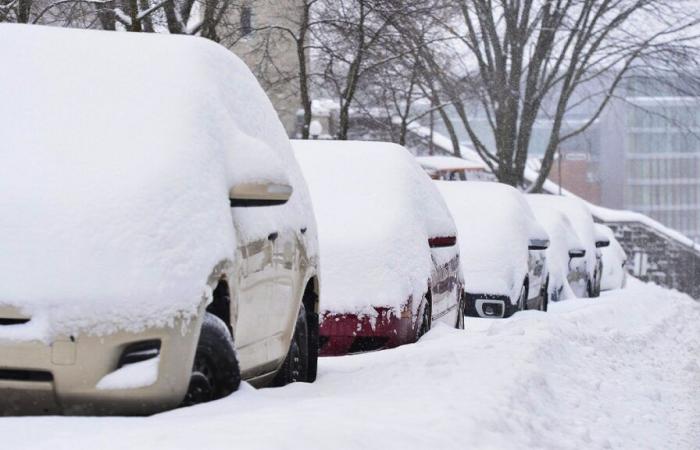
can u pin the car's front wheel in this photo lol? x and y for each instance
(296, 366)
(215, 371)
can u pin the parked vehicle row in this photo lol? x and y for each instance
(150, 263)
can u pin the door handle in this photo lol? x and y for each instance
(273, 236)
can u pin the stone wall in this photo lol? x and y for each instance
(653, 256)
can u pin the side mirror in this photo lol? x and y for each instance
(440, 242)
(577, 253)
(259, 194)
(601, 244)
(538, 244)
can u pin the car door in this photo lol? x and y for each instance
(284, 306)
(256, 290)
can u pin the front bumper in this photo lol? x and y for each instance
(62, 377)
(488, 306)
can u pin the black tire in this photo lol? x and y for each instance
(215, 370)
(426, 320)
(296, 365)
(312, 325)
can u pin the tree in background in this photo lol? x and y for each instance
(520, 60)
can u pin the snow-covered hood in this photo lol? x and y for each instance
(376, 210)
(118, 152)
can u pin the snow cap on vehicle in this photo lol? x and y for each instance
(119, 150)
(376, 210)
(495, 225)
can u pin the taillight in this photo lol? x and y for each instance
(442, 241)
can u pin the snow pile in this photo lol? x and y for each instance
(581, 219)
(614, 258)
(616, 372)
(115, 169)
(376, 209)
(495, 225)
(562, 239)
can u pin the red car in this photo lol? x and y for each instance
(389, 261)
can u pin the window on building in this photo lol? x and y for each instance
(246, 20)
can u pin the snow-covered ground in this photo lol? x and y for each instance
(621, 371)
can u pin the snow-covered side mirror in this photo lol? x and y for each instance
(577, 253)
(259, 194)
(602, 243)
(538, 244)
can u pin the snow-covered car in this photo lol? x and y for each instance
(580, 217)
(389, 258)
(614, 260)
(501, 248)
(565, 255)
(158, 241)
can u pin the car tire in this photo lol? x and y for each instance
(426, 319)
(215, 371)
(312, 325)
(296, 364)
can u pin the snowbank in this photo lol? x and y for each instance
(616, 372)
(376, 209)
(118, 153)
(494, 225)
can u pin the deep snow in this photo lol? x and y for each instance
(620, 371)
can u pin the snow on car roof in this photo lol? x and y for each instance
(376, 209)
(448, 163)
(118, 153)
(494, 226)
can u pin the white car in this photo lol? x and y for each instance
(501, 247)
(582, 221)
(158, 241)
(614, 259)
(390, 261)
(565, 255)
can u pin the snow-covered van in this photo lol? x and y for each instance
(389, 256)
(501, 246)
(157, 241)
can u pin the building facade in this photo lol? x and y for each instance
(652, 160)
(271, 53)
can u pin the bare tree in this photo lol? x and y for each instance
(521, 60)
